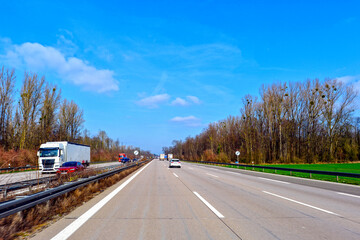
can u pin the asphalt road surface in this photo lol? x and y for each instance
(200, 202)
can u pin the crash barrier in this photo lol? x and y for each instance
(337, 174)
(14, 206)
(12, 169)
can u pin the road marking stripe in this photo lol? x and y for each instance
(191, 168)
(350, 195)
(175, 175)
(69, 230)
(304, 204)
(212, 175)
(273, 180)
(217, 213)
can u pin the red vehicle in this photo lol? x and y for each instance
(70, 167)
(121, 156)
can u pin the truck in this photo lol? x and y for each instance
(121, 156)
(170, 156)
(162, 157)
(53, 154)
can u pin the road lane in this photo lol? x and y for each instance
(155, 205)
(241, 199)
(199, 202)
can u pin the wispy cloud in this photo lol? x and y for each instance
(193, 99)
(179, 102)
(218, 55)
(37, 57)
(154, 101)
(353, 80)
(190, 121)
(182, 102)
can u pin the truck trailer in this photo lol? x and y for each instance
(53, 154)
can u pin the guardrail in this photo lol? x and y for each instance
(14, 206)
(16, 168)
(337, 174)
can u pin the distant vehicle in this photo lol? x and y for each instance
(70, 167)
(174, 163)
(121, 156)
(125, 160)
(162, 157)
(53, 154)
(170, 156)
(134, 160)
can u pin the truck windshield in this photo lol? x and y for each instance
(49, 152)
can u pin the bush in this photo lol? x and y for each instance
(208, 156)
(222, 157)
(17, 158)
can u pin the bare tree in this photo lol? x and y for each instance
(7, 82)
(71, 120)
(48, 113)
(29, 105)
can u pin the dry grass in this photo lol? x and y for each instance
(17, 158)
(23, 224)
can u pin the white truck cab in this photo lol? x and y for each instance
(53, 154)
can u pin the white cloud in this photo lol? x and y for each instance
(188, 121)
(182, 102)
(352, 80)
(154, 101)
(193, 99)
(36, 57)
(179, 102)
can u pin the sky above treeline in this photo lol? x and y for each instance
(150, 72)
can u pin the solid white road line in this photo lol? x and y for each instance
(274, 180)
(212, 175)
(69, 230)
(175, 175)
(217, 213)
(304, 204)
(350, 195)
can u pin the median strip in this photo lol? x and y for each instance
(217, 213)
(304, 204)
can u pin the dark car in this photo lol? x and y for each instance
(125, 159)
(70, 167)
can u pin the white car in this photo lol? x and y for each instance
(174, 163)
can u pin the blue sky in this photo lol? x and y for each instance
(149, 72)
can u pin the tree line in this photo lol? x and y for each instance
(37, 113)
(295, 122)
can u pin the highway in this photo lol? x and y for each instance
(200, 202)
(7, 178)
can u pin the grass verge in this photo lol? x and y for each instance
(347, 180)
